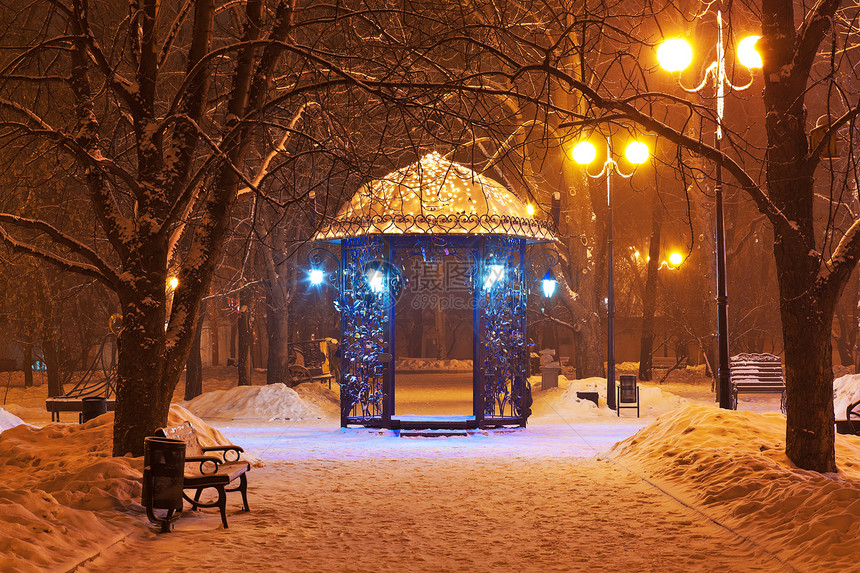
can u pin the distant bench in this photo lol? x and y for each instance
(666, 362)
(67, 404)
(757, 374)
(316, 361)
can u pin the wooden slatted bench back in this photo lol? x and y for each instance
(187, 434)
(757, 374)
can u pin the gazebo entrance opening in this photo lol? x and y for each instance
(433, 339)
(374, 282)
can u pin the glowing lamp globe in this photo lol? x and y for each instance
(636, 152)
(530, 209)
(583, 152)
(173, 282)
(316, 276)
(495, 274)
(676, 259)
(548, 284)
(375, 279)
(747, 54)
(674, 55)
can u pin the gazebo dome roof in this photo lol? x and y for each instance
(435, 196)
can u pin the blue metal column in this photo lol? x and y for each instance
(388, 345)
(477, 362)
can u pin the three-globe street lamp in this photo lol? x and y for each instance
(674, 56)
(584, 153)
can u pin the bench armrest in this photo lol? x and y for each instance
(224, 451)
(203, 460)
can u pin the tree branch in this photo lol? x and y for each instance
(112, 280)
(61, 238)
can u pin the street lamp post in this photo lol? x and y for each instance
(584, 153)
(674, 56)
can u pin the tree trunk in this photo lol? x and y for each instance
(143, 376)
(649, 299)
(857, 341)
(194, 365)
(577, 293)
(809, 384)
(843, 341)
(234, 333)
(27, 367)
(808, 293)
(278, 331)
(589, 348)
(214, 340)
(52, 367)
(245, 336)
(439, 328)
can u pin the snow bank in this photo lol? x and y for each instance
(732, 465)
(320, 395)
(8, 420)
(431, 364)
(206, 434)
(269, 402)
(563, 401)
(846, 391)
(64, 497)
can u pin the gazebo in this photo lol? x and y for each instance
(430, 210)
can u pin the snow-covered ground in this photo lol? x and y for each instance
(688, 487)
(432, 365)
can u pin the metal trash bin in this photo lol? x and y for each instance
(163, 475)
(92, 407)
(628, 394)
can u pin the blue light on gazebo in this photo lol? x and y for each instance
(548, 283)
(495, 274)
(375, 280)
(316, 276)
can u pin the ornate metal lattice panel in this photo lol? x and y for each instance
(364, 309)
(506, 394)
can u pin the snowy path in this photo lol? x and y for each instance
(445, 514)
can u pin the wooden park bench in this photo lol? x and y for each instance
(72, 404)
(666, 362)
(757, 374)
(203, 471)
(851, 423)
(310, 361)
(98, 381)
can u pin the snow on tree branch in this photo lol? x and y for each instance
(110, 280)
(65, 240)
